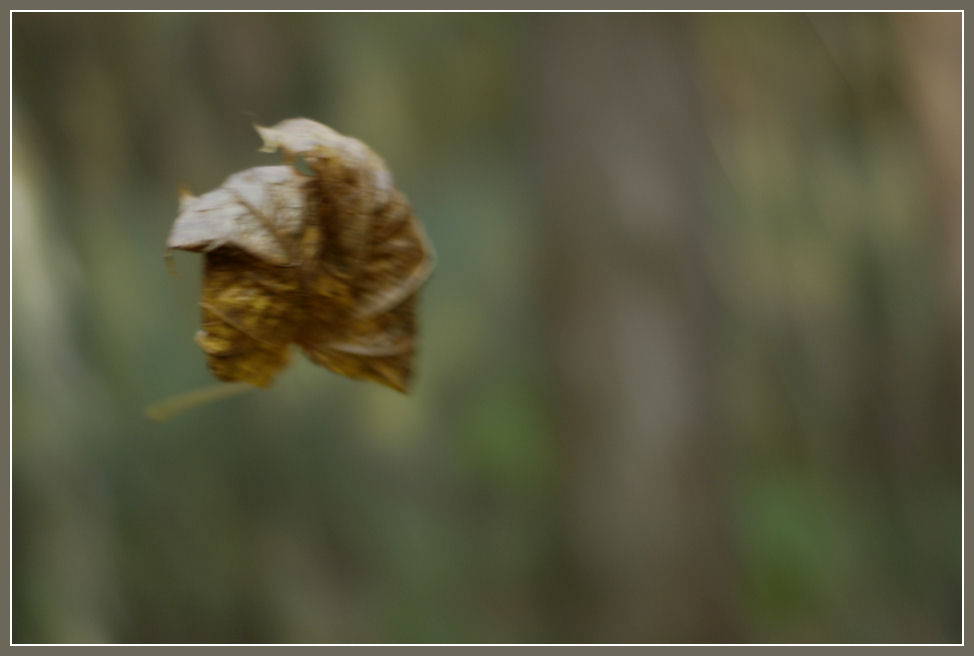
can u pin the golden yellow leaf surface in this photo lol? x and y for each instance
(331, 261)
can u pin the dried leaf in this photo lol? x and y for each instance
(331, 261)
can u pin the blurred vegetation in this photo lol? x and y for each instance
(694, 333)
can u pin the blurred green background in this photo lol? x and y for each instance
(689, 362)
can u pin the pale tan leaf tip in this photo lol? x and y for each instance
(299, 135)
(267, 137)
(251, 210)
(185, 197)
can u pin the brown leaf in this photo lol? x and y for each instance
(331, 262)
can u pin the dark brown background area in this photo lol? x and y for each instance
(690, 359)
